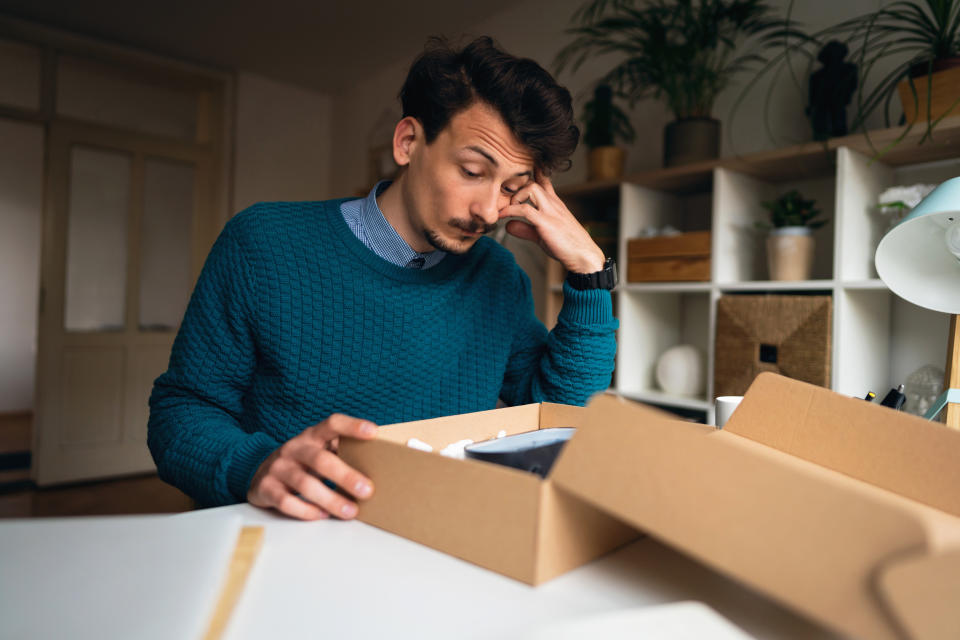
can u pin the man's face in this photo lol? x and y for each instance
(455, 187)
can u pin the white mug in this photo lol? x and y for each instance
(725, 407)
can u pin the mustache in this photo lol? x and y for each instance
(474, 227)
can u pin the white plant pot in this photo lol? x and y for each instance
(790, 253)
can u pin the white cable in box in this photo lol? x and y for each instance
(839, 509)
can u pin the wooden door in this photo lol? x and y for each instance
(127, 223)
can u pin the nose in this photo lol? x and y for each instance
(487, 205)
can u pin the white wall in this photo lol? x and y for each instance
(356, 111)
(21, 207)
(283, 147)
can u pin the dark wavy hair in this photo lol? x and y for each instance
(444, 81)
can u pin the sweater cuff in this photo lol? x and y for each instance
(591, 306)
(245, 461)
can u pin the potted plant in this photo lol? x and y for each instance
(790, 241)
(684, 52)
(917, 45)
(604, 122)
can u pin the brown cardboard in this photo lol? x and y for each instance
(908, 455)
(503, 519)
(923, 592)
(837, 509)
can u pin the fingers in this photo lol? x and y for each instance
(523, 230)
(292, 483)
(531, 193)
(327, 464)
(529, 203)
(290, 480)
(310, 488)
(270, 492)
(557, 230)
(544, 181)
(340, 425)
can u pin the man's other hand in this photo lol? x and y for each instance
(301, 464)
(547, 221)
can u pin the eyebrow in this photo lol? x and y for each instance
(493, 160)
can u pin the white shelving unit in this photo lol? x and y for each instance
(878, 338)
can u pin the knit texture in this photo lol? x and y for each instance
(293, 319)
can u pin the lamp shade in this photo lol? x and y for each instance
(919, 259)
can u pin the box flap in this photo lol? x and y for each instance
(477, 426)
(905, 454)
(923, 592)
(446, 503)
(806, 536)
(560, 415)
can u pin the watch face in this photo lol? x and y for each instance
(609, 275)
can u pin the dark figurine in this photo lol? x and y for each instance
(831, 89)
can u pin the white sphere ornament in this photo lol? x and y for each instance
(680, 371)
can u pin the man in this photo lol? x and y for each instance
(317, 320)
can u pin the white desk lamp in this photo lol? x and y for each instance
(919, 259)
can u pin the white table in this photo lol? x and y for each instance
(338, 579)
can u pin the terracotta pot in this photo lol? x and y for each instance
(605, 163)
(790, 253)
(944, 87)
(691, 140)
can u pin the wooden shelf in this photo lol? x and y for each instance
(666, 399)
(877, 339)
(810, 159)
(777, 285)
(865, 285)
(658, 287)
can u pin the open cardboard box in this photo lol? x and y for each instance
(842, 510)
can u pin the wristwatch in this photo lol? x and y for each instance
(603, 279)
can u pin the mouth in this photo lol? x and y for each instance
(468, 230)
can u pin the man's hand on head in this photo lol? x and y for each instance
(300, 465)
(548, 222)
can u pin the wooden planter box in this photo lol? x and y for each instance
(681, 258)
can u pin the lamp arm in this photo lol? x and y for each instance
(950, 398)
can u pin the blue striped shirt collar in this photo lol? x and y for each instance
(368, 224)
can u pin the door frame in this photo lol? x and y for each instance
(52, 462)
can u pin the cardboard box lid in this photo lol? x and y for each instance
(807, 536)
(910, 456)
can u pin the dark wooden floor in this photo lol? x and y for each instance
(140, 494)
(143, 494)
(15, 430)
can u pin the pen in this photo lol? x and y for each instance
(870, 397)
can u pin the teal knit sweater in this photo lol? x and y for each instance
(293, 319)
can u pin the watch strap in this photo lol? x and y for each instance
(606, 278)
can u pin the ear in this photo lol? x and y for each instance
(407, 137)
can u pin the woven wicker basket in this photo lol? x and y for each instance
(789, 335)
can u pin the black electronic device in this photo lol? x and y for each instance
(533, 451)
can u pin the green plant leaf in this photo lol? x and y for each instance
(680, 51)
